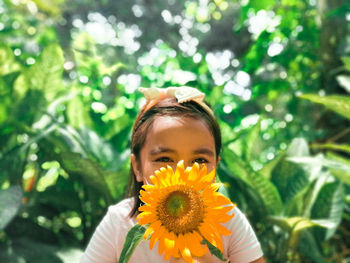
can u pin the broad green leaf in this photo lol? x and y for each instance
(267, 169)
(132, 239)
(340, 167)
(302, 202)
(78, 113)
(308, 247)
(342, 174)
(228, 136)
(258, 182)
(346, 61)
(266, 4)
(30, 107)
(112, 69)
(296, 223)
(329, 205)
(214, 250)
(10, 202)
(85, 52)
(251, 141)
(337, 103)
(240, 192)
(291, 178)
(297, 202)
(71, 137)
(332, 146)
(296, 183)
(45, 75)
(213, 97)
(119, 125)
(7, 61)
(86, 171)
(50, 6)
(298, 147)
(99, 149)
(5, 100)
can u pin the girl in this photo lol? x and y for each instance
(175, 124)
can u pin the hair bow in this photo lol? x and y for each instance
(182, 94)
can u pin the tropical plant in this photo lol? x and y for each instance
(68, 101)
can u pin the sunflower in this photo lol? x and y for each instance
(183, 208)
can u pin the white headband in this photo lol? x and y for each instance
(182, 94)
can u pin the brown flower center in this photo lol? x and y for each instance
(181, 209)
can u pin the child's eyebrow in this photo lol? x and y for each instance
(204, 150)
(160, 149)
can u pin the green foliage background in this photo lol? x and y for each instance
(277, 74)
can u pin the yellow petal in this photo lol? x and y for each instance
(150, 195)
(203, 171)
(210, 176)
(215, 186)
(152, 228)
(194, 173)
(146, 208)
(221, 200)
(148, 187)
(161, 245)
(169, 244)
(175, 251)
(222, 209)
(184, 175)
(148, 231)
(219, 228)
(216, 236)
(171, 176)
(211, 236)
(146, 218)
(200, 186)
(156, 236)
(184, 250)
(220, 216)
(180, 167)
(154, 180)
(146, 199)
(222, 230)
(194, 244)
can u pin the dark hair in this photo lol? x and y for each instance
(165, 107)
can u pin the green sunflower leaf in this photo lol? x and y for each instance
(133, 238)
(214, 250)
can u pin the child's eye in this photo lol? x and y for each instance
(164, 160)
(200, 160)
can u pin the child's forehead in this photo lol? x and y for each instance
(179, 122)
(170, 130)
(178, 135)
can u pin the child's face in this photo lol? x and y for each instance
(171, 139)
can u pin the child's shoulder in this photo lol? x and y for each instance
(122, 209)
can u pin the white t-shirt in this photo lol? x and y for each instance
(107, 242)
